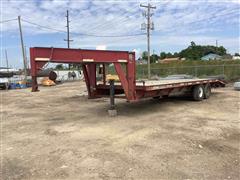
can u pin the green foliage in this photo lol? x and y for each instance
(154, 58)
(231, 69)
(145, 55)
(163, 55)
(195, 52)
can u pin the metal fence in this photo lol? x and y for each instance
(230, 71)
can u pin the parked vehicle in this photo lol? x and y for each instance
(4, 83)
(237, 85)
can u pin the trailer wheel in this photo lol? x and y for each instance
(165, 96)
(198, 92)
(207, 91)
(156, 97)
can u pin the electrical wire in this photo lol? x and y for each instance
(45, 27)
(82, 34)
(109, 36)
(108, 23)
(8, 20)
(198, 21)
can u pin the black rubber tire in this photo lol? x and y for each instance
(207, 91)
(165, 96)
(156, 97)
(198, 92)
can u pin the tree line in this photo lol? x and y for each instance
(192, 52)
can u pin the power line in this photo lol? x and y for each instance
(200, 20)
(8, 20)
(213, 17)
(82, 34)
(109, 36)
(45, 27)
(124, 39)
(118, 20)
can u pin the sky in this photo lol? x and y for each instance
(116, 25)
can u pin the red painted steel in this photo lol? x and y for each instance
(89, 59)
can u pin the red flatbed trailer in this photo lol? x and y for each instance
(128, 87)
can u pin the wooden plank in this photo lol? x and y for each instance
(167, 81)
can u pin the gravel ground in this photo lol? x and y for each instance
(58, 133)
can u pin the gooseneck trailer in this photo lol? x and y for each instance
(125, 67)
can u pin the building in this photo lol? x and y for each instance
(236, 58)
(169, 60)
(227, 57)
(141, 61)
(211, 56)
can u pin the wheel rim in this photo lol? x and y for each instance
(200, 92)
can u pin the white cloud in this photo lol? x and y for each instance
(101, 47)
(179, 18)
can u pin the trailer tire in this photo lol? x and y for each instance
(165, 96)
(156, 97)
(198, 92)
(207, 91)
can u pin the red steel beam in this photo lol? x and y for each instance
(65, 55)
(88, 58)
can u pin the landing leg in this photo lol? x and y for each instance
(112, 111)
(34, 84)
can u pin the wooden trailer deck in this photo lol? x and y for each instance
(167, 81)
(174, 83)
(170, 83)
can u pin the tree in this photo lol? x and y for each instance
(145, 55)
(236, 54)
(175, 54)
(195, 52)
(163, 55)
(193, 44)
(154, 58)
(221, 51)
(169, 55)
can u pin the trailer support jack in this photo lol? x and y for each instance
(112, 111)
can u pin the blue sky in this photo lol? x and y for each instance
(177, 23)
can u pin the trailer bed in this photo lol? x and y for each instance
(161, 87)
(166, 81)
(173, 83)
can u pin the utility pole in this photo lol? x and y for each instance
(27, 62)
(68, 34)
(216, 43)
(23, 52)
(6, 59)
(150, 26)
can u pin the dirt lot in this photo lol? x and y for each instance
(58, 133)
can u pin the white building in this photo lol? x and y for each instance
(236, 57)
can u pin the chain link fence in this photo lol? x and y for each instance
(229, 71)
